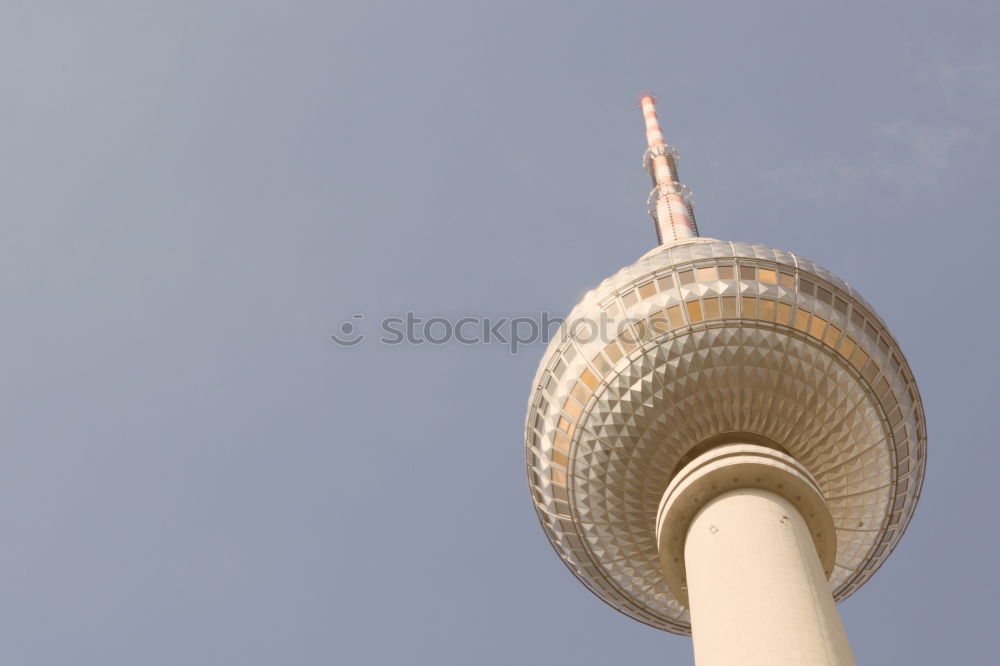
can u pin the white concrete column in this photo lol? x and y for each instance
(758, 596)
(747, 543)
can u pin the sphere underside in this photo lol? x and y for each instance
(694, 341)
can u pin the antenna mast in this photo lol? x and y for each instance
(670, 204)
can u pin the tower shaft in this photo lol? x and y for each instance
(758, 596)
(747, 542)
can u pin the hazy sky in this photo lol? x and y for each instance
(195, 195)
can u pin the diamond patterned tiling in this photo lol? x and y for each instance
(704, 378)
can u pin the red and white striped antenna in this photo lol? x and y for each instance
(670, 204)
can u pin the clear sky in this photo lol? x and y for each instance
(195, 195)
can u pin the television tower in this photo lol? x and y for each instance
(725, 441)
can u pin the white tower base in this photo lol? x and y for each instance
(758, 596)
(747, 543)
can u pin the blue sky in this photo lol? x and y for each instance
(195, 195)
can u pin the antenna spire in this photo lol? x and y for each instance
(670, 204)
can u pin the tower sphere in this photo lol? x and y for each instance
(699, 343)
